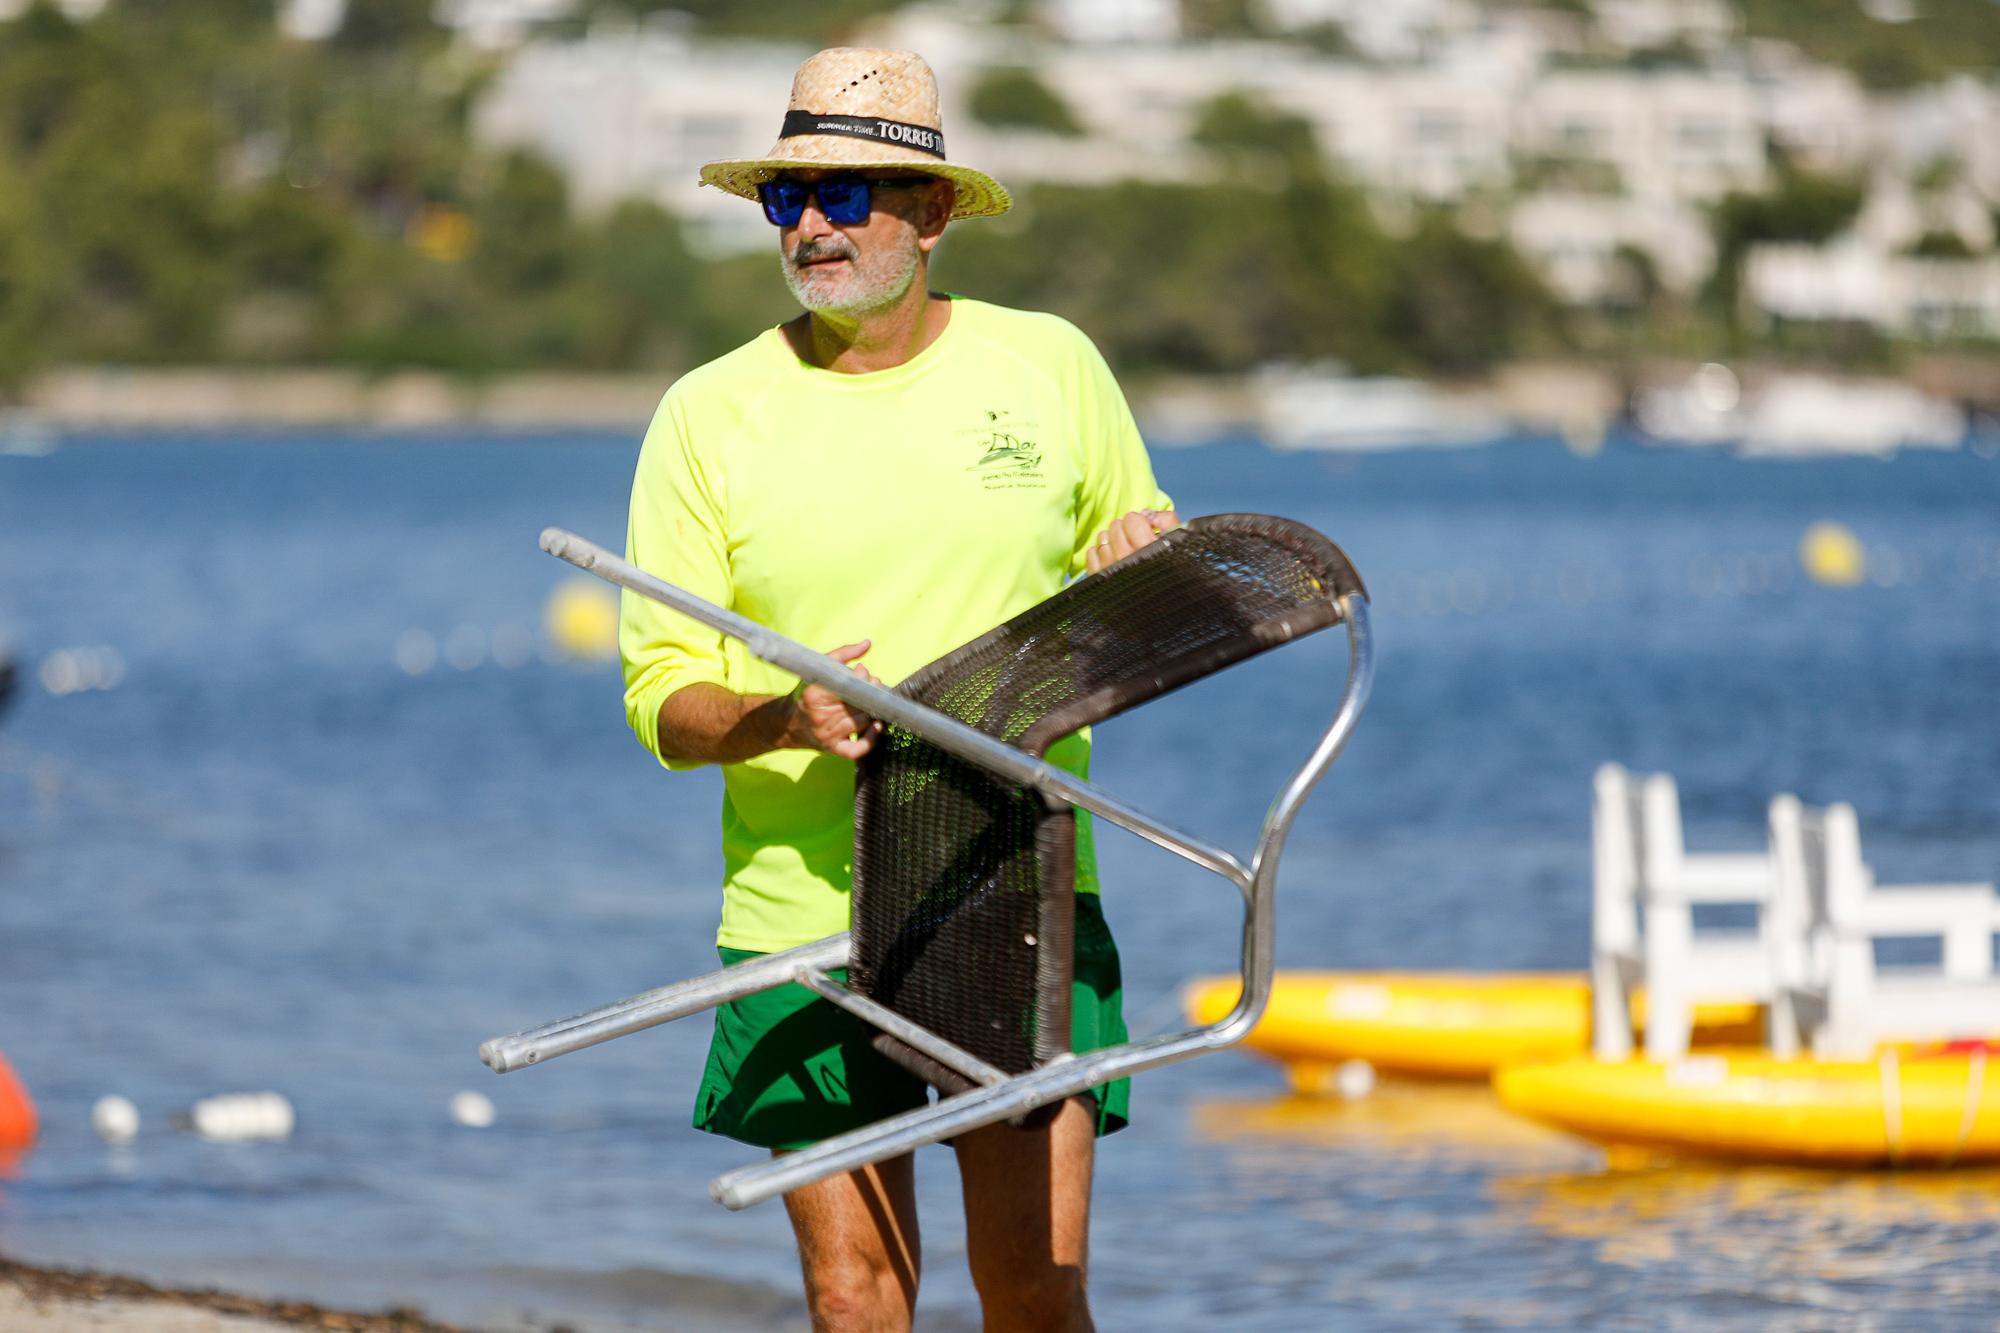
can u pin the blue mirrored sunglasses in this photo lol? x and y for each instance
(845, 200)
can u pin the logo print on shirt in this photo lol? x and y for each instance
(1007, 459)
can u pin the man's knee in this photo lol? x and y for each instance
(855, 1293)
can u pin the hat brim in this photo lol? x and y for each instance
(977, 195)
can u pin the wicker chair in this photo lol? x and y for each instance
(960, 949)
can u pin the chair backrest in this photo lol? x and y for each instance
(1800, 911)
(1848, 878)
(1615, 863)
(964, 886)
(1662, 844)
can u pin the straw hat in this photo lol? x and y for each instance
(861, 107)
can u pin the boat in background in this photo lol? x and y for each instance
(1797, 415)
(1322, 407)
(1912, 1106)
(1452, 1025)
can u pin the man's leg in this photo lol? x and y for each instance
(1027, 1220)
(859, 1247)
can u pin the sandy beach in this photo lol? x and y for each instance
(50, 1300)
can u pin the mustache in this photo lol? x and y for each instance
(831, 247)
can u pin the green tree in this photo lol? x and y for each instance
(523, 226)
(637, 294)
(1459, 304)
(387, 25)
(826, 22)
(24, 284)
(1184, 278)
(1941, 245)
(289, 239)
(1010, 98)
(1804, 206)
(1208, 19)
(1943, 37)
(1241, 130)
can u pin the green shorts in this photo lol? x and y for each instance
(787, 1068)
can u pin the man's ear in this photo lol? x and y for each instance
(938, 199)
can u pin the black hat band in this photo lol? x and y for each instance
(904, 135)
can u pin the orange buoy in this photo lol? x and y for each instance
(17, 1113)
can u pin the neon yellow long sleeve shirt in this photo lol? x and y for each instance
(917, 507)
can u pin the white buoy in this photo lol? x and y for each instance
(465, 647)
(243, 1115)
(115, 1119)
(1354, 1079)
(474, 1110)
(416, 652)
(513, 645)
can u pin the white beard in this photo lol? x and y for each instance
(864, 286)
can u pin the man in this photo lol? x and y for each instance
(894, 472)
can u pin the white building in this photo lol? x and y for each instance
(1821, 116)
(1640, 25)
(1095, 22)
(1895, 215)
(1957, 121)
(1670, 135)
(1401, 32)
(1575, 240)
(635, 114)
(498, 24)
(1853, 280)
(1411, 131)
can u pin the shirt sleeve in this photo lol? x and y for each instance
(675, 531)
(1117, 473)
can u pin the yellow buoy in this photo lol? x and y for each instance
(1934, 1108)
(1833, 555)
(582, 619)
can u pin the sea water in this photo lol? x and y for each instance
(270, 851)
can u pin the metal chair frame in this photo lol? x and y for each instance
(998, 1096)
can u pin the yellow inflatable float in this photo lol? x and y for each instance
(1908, 1107)
(1432, 1024)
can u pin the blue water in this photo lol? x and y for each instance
(271, 858)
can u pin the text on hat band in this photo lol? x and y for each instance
(920, 137)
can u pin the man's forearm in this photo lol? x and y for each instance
(710, 724)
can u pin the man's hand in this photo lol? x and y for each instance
(821, 720)
(1139, 528)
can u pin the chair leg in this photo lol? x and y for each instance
(1610, 1010)
(548, 1040)
(1669, 1009)
(1781, 1024)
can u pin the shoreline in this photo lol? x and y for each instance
(58, 1292)
(1573, 399)
(1557, 396)
(38, 1299)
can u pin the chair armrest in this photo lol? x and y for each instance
(1925, 909)
(1718, 878)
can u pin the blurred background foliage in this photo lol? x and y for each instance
(181, 183)
(184, 185)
